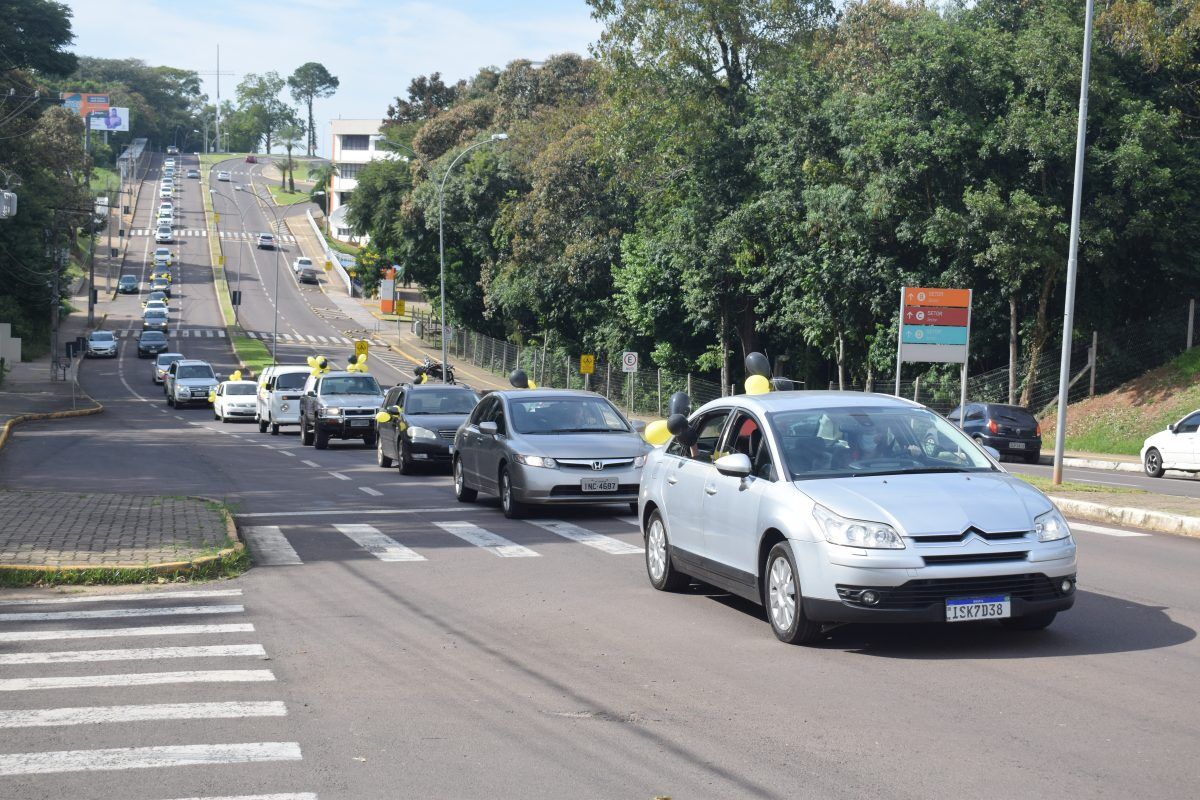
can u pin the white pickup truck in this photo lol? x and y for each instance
(279, 397)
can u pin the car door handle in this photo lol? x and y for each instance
(710, 490)
(672, 480)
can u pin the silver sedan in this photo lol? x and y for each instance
(548, 446)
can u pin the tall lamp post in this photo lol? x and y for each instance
(215, 193)
(495, 137)
(1064, 370)
(275, 212)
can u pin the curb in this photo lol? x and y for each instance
(1160, 521)
(180, 567)
(1096, 463)
(6, 429)
(218, 271)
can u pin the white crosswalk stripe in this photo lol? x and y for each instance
(1104, 530)
(31, 616)
(137, 679)
(385, 548)
(286, 796)
(117, 598)
(479, 537)
(122, 758)
(269, 547)
(120, 633)
(575, 533)
(94, 715)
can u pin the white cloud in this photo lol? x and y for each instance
(375, 47)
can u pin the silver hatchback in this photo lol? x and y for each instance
(550, 446)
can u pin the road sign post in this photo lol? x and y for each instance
(629, 362)
(361, 348)
(935, 327)
(587, 364)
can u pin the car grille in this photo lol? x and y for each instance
(977, 558)
(958, 537)
(587, 463)
(569, 490)
(447, 433)
(924, 593)
(359, 412)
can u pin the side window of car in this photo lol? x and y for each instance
(1189, 425)
(974, 413)
(498, 417)
(746, 436)
(699, 442)
(483, 411)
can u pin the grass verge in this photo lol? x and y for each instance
(230, 565)
(251, 352)
(283, 197)
(1046, 485)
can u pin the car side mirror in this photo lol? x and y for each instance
(489, 428)
(1171, 427)
(395, 411)
(639, 426)
(734, 465)
(311, 393)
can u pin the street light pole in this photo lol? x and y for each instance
(236, 316)
(495, 137)
(1064, 370)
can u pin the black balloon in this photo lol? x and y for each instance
(677, 424)
(757, 364)
(518, 379)
(679, 403)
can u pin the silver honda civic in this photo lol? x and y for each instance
(546, 446)
(839, 507)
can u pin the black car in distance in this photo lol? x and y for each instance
(424, 419)
(151, 343)
(1011, 430)
(128, 284)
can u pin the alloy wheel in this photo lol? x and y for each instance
(656, 549)
(782, 594)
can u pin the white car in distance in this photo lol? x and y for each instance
(1178, 447)
(155, 306)
(164, 234)
(301, 263)
(279, 396)
(223, 176)
(234, 400)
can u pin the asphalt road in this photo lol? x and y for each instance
(1179, 484)
(550, 669)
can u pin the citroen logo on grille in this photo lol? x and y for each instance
(597, 465)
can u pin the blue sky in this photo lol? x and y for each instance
(373, 46)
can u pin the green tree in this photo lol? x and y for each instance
(34, 35)
(309, 82)
(259, 96)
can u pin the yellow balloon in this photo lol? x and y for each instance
(236, 376)
(383, 417)
(531, 385)
(362, 358)
(656, 432)
(757, 384)
(312, 361)
(212, 398)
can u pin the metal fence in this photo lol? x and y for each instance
(1120, 355)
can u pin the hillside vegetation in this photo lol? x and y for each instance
(1118, 422)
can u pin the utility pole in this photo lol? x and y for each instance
(91, 219)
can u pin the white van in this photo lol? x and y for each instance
(279, 391)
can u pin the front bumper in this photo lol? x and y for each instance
(431, 451)
(343, 428)
(1013, 447)
(241, 412)
(107, 352)
(561, 486)
(194, 396)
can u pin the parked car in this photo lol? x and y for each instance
(280, 388)
(151, 343)
(424, 421)
(339, 405)
(1178, 448)
(234, 400)
(128, 284)
(548, 446)
(266, 241)
(162, 363)
(189, 381)
(300, 263)
(1010, 430)
(155, 321)
(101, 344)
(223, 176)
(840, 507)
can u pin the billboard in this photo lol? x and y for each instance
(83, 103)
(114, 118)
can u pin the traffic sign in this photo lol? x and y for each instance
(946, 298)
(932, 315)
(629, 362)
(217, 218)
(328, 266)
(399, 308)
(587, 364)
(360, 347)
(220, 261)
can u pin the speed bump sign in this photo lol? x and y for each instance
(360, 347)
(587, 364)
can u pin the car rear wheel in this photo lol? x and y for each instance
(262, 425)
(1154, 463)
(659, 568)
(274, 428)
(1030, 622)
(784, 601)
(370, 439)
(462, 492)
(381, 459)
(306, 437)
(513, 507)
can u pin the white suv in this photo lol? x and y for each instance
(279, 391)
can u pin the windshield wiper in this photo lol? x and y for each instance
(918, 471)
(588, 430)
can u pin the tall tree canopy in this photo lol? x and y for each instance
(309, 82)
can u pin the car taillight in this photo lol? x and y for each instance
(1037, 430)
(993, 427)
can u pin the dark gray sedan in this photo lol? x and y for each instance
(548, 446)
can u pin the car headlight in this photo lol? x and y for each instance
(856, 532)
(284, 407)
(1051, 526)
(639, 462)
(417, 432)
(536, 461)
(332, 412)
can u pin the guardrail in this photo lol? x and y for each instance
(330, 255)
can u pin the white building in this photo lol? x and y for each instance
(355, 142)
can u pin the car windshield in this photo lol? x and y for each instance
(195, 371)
(167, 359)
(128, 279)
(304, 262)
(291, 380)
(102, 336)
(158, 296)
(435, 401)
(156, 313)
(357, 384)
(566, 415)
(154, 336)
(866, 440)
(240, 388)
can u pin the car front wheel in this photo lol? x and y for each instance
(462, 492)
(784, 601)
(661, 571)
(306, 437)
(1154, 463)
(406, 462)
(513, 507)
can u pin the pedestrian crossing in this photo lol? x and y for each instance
(286, 238)
(187, 233)
(179, 333)
(306, 339)
(71, 712)
(276, 545)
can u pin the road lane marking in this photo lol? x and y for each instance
(113, 598)
(598, 541)
(286, 453)
(1083, 526)
(31, 616)
(383, 547)
(370, 491)
(479, 537)
(311, 464)
(269, 546)
(99, 715)
(137, 679)
(133, 654)
(340, 476)
(342, 512)
(120, 633)
(288, 796)
(120, 758)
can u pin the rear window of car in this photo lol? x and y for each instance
(1013, 416)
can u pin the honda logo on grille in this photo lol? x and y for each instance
(597, 465)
